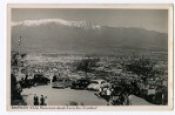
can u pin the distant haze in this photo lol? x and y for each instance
(89, 31)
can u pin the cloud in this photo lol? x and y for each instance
(57, 21)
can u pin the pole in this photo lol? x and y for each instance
(19, 45)
(19, 51)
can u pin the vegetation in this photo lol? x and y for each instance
(16, 88)
(87, 65)
(16, 58)
(142, 67)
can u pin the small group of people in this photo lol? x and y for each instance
(108, 94)
(41, 101)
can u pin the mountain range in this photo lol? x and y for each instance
(85, 38)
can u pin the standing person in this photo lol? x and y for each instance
(126, 99)
(35, 100)
(121, 98)
(42, 100)
(26, 80)
(108, 95)
(100, 91)
(54, 78)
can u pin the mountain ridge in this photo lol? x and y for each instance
(61, 38)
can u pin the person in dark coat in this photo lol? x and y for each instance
(54, 78)
(36, 100)
(42, 100)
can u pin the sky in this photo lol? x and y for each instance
(156, 20)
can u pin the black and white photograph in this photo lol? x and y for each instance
(89, 57)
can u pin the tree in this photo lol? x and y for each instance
(15, 85)
(142, 67)
(87, 65)
(16, 58)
